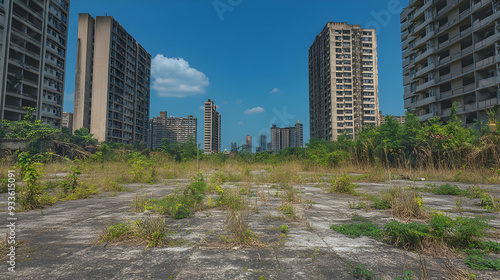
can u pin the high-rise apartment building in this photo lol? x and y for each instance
(451, 53)
(33, 39)
(234, 146)
(248, 143)
(212, 128)
(282, 138)
(112, 82)
(67, 121)
(262, 142)
(175, 130)
(343, 81)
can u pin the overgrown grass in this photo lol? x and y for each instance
(342, 184)
(149, 230)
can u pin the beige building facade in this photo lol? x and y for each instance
(33, 40)
(212, 129)
(112, 84)
(343, 81)
(451, 54)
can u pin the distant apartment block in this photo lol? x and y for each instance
(343, 81)
(212, 129)
(282, 138)
(248, 143)
(33, 40)
(112, 82)
(175, 130)
(262, 143)
(400, 119)
(451, 54)
(67, 120)
(234, 146)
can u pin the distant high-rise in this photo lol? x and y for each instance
(175, 130)
(234, 146)
(343, 81)
(248, 142)
(67, 121)
(282, 138)
(262, 143)
(33, 40)
(112, 82)
(451, 55)
(212, 129)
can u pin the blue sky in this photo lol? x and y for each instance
(249, 56)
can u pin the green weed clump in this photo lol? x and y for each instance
(178, 205)
(477, 259)
(361, 272)
(446, 189)
(342, 184)
(284, 228)
(149, 230)
(359, 226)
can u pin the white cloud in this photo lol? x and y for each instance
(256, 110)
(275, 90)
(239, 101)
(202, 108)
(241, 123)
(174, 77)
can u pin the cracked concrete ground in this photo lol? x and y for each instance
(60, 242)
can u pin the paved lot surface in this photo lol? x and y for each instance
(60, 242)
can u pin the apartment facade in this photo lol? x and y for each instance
(451, 54)
(112, 85)
(262, 143)
(343, 81)
(33, 40)
(176, 130)
(282, 138)
(67, 120)
(212, 129)
(248, 143)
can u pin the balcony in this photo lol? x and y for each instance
(424, 39)
(405, 13)
(427, 116)
(488, 103)
(406, 62)
(456, 38)
(479, 5)
(426, 69)
(426, 101)
(478, 24)
(420, 10)
(454, 56)
(426, 85)
(455, 74)
(488, 82)
(408, 104)
(456, 92)
(485, 62)
(407, 92)
(425, 54)
(486, 42)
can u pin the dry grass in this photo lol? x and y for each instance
(406, 204)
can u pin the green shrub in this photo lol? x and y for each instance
(356, 229)
(406, 235)
(342, 184)
(477, 259)
(284, 228)
(446, 189)
(116, 232)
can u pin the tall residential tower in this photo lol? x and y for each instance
(343, 81)
(451, 53)
(211, 137)
(175, 130)
(33, 39)
(112, 82)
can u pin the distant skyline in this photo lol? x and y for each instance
(251, 58)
